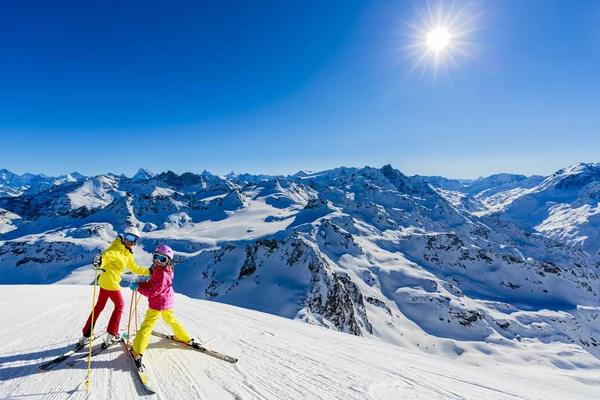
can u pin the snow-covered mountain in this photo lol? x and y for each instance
(278, 359)
(414, 261)
(142, 175)
(244, 179)
(565, 206)
(14, 185)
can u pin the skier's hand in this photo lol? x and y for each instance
(97, 261)
(134, 286)
(143, 279)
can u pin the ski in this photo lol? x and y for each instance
(140, 372)
(95, 352)
(198, 347)
(53, 363)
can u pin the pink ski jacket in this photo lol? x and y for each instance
(159, 289)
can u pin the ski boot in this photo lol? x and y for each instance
(109, 340)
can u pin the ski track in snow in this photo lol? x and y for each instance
(278, 359)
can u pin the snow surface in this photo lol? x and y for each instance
(7, 220)
(278, 359)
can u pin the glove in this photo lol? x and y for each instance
(97, 261)
(134, 286)
(143, 278)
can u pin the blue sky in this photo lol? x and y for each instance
(280, 86)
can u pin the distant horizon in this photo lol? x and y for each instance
(157, 172)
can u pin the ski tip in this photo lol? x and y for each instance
(144, 380)
(149, 389)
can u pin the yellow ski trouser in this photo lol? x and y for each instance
(143, 335)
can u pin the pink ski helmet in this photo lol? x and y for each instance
(165, 250)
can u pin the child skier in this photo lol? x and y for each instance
(113, 263)
(159, 290)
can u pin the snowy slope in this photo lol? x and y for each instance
(278, 359)
(485, 195)
(8, 221)
(488, 186)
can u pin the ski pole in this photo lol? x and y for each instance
(87, 382)
(135, 313)
(130, 311)
(139, 296)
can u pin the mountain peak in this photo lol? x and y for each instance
(576, 176)
(303, 173)
(389, 172)
(577, 168)
(142, 175)
(76, 175)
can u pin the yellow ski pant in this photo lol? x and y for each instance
(143, 335)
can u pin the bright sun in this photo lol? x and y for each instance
(438, 39)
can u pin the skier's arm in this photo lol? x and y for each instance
(136, 269)
(144, 286)
(154, 286)
(144, 289)
(108, 260)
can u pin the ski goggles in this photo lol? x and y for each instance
(161, 258)
(130, 238)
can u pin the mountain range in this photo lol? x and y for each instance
(508, 261)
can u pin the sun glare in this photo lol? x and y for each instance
(440, 38)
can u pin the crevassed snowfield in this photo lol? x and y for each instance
(278, 359)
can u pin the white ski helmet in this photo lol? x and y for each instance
(133, 231)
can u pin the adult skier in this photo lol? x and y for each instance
(113, 262)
